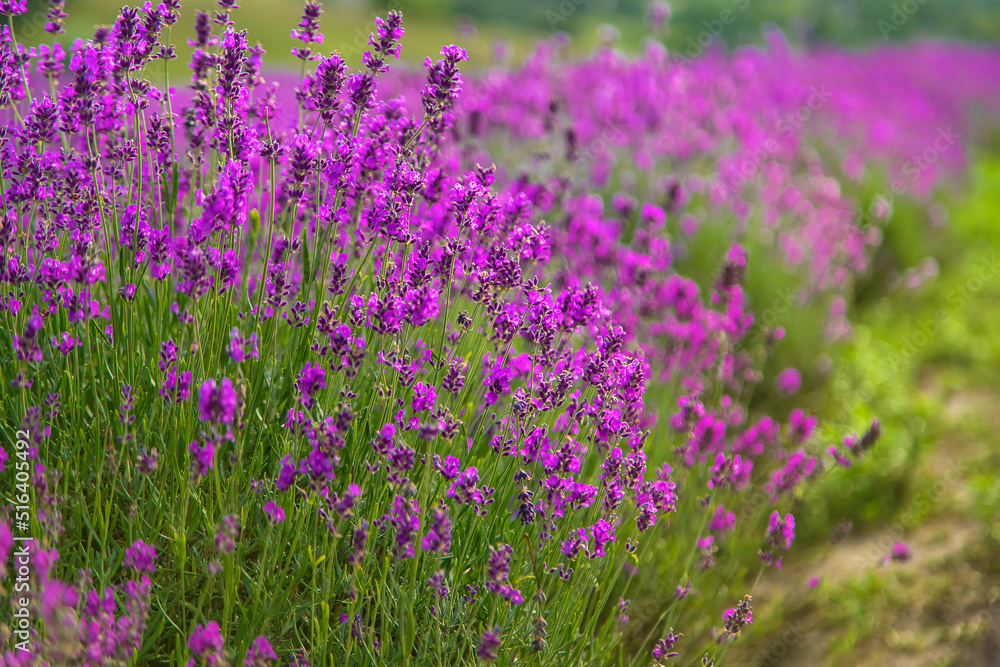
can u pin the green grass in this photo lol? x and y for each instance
(884, 370)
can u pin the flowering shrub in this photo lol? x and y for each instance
(344, 391)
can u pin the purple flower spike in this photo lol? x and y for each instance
(308, 32)
(406, 520)
(260, 654)
(780, 534)
(217, 401)
(140, 557)
(489, 645)
(423, 397)
(275, 514)
(309, 381)
(788, 381)
(900, 553)
(206, 641)
(202, 458)
(13, 7)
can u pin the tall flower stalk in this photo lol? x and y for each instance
(337, 393)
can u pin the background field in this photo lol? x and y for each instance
(936, 485)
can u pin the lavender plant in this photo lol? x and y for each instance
(296, 378)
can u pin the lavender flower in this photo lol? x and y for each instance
(406, 520)
(780, 534)
(206, 642)
(438, 537)
(444, 83)
(275, 514)
(140, 557)
(225, 537)
(202, 458)
(788, 381)
(13, 7)
(423, 397)
(217, 401)
(489, 645)
(308, 31)
(309, 381)
(388, 32)
(663, 650)
(260, 654)
(900, 553)
(739, 616)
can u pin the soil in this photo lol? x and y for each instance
(934, 608)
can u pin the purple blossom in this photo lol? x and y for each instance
(858, 446)
(438, 536)
(287, 474)
(202, 458)
(780, 534)
(13, 7)
(309, 381)
(663, 650)
(406, 520)
(345, 504)
(489, 645)
(801, 426)
(788, 381)
(275, 514)
(308, 31)
(148, 461)
(260, 654)
(464, 491)
(423, 397)
(140, 557)
(600, 533)
(497, 572)
(798, 467)
(176, 386)
(242, 348)
(217, 401)
(225, 537)
(729, 472)
(358, 541)
(722, 521)
(899, 553)
(449, 467)
(206, 641)
(26, 346)
(386, 40)
(739, 616)
(444, 83)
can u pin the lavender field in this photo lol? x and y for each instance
(617, 355)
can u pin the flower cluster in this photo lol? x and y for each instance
(385, 372)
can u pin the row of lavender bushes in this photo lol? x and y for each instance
(297, 374)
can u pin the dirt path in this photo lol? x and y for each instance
(931, 610)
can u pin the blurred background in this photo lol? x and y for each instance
(506, 30)
(943, 607)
